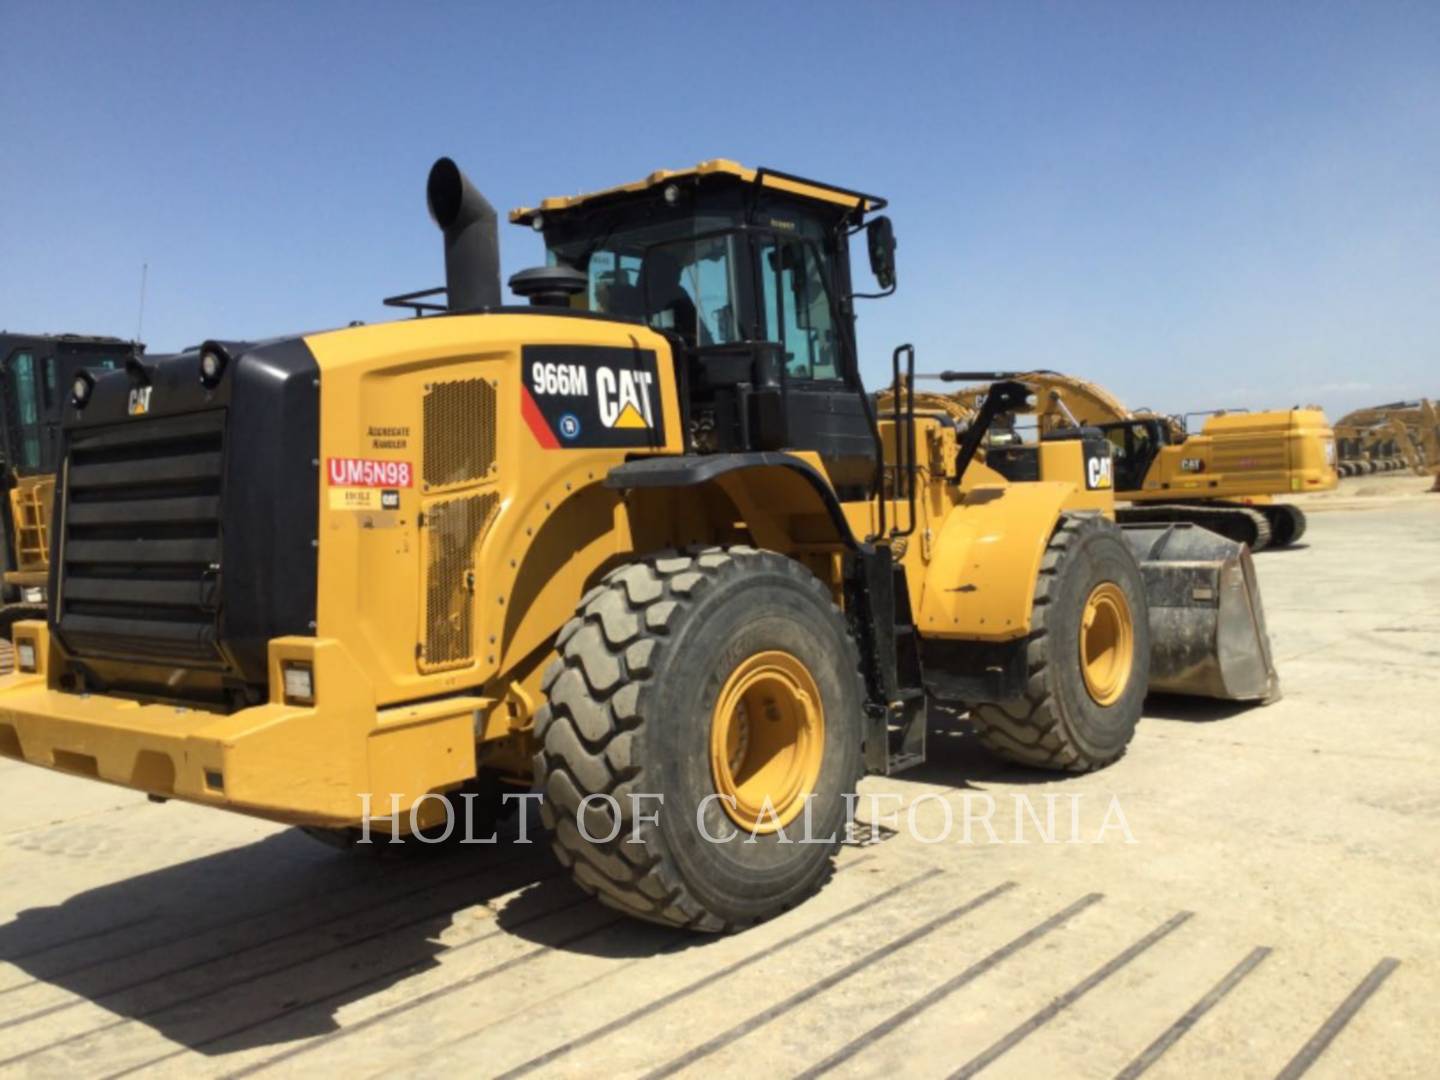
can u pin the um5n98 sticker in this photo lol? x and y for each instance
(587, 396)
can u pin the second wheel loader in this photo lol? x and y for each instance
(643, 544)
(35, 375)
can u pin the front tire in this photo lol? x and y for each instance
(1087, 658)
(689, 686)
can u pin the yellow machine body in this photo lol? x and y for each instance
(1245, 457)
(437, 615)
(477, 475)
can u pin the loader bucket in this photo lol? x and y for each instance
(1207, 625)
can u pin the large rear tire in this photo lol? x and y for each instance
(1087, 658)
(690, 686)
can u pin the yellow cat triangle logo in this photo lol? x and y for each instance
(630, 418)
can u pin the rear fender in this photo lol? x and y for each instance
(784, 499)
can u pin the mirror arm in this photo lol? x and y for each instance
(872, 295)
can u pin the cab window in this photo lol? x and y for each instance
(23, 383)
(664, 274)
(797, 308)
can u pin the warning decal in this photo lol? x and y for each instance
(357, 498)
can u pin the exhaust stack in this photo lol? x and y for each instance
(472, 239)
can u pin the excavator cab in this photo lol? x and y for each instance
(1136, 444)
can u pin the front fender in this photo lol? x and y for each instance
(980, 583)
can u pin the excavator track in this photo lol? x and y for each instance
(1238, 523)
(1287, 523)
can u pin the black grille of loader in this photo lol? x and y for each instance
(140, 554)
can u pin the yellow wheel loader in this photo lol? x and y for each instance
(35, 370)
(1225, 477)
(643, 545)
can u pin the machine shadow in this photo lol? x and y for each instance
(953, 754)
(1194, 710)
(264, 944)
(955, 758)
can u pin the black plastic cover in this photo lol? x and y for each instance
(190, 534)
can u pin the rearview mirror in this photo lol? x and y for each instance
(880, 236)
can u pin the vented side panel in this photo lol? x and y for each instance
(459, 442)
(1259, 461)
(1249, 455)
(453, 530)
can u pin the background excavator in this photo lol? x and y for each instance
(1224, 478)
(1402, 434)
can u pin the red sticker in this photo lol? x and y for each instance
(367, 472)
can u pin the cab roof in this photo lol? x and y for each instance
(716, 167)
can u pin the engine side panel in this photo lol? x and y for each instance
(462, 504)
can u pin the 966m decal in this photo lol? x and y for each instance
(591, 396)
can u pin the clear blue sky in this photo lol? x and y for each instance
(1196, 204)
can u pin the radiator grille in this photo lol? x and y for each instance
(459, 444)
(140, 562)
(453, 530)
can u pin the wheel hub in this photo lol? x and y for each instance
(1107, 643)
(767, 740)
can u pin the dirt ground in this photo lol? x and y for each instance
(1249, 892)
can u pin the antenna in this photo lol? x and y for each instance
(140, 322)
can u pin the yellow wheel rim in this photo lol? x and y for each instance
(1107, 643)
(767, 740)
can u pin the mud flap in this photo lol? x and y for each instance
(1207, 625)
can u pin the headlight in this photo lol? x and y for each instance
(80, 390)
(212, 364)
(299, 682)
(25, 654)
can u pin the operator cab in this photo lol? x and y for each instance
(1135, 445)
(748, 272)
(35, 375)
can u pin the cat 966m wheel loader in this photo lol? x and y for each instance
(642, 543)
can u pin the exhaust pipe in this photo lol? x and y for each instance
(472, 239)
